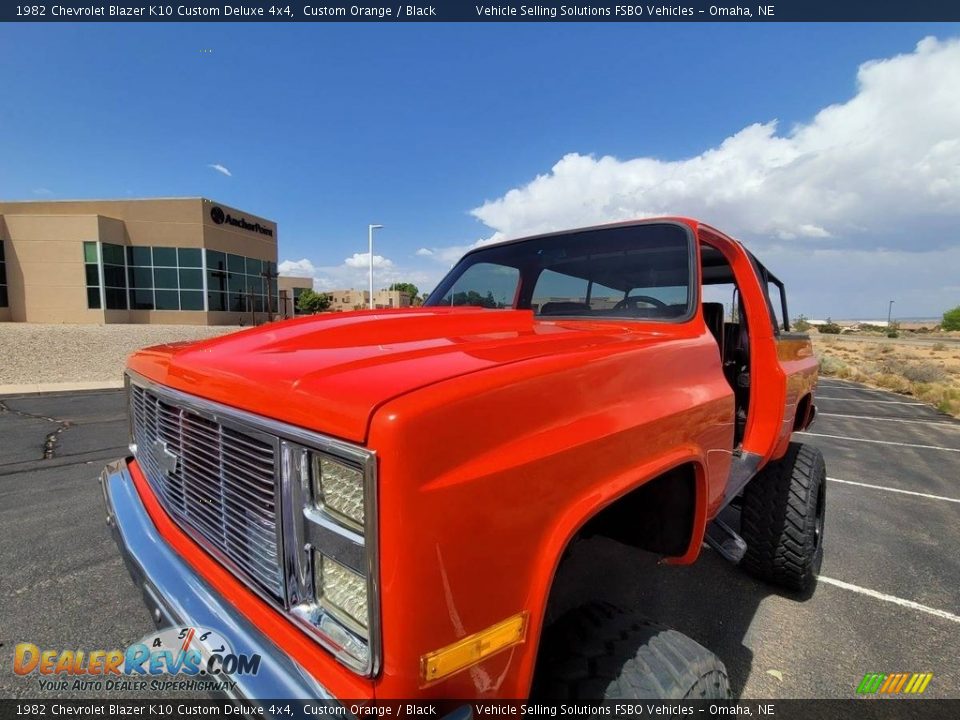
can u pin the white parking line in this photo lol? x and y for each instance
(852, 389)
(955, 426)
(894, 490)
(884, 402)
(891, 599)
(879, 442)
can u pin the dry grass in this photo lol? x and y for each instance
(929, 373)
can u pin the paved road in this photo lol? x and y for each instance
(888, 599)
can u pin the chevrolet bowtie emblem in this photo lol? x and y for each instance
(166, 458)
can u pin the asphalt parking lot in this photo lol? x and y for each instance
(888, 599)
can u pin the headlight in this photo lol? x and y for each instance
(330, 542)
(341, 590)
(338, 489)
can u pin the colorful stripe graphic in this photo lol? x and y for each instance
(894, 683)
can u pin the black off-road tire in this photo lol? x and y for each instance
(599, 652)
(781, 519)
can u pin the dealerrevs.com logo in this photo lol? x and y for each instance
(220, 217)
(189, 658)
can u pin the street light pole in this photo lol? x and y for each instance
(889, 313)
(370, 229)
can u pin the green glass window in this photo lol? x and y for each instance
(139, 256)
(93, 298)
(4, 296)
(217, 301)
(116, 298)
(141, 299)
(91, 267)
(217, 280)
(237, 283)
(113, 254)
(236, 263)
(141, 277)
(189, 257)
(191, 300)
(254, 267)
(191, 279)
(164, 257)
(165, 278)
(113, 276)
(167, 299)
(216, 260)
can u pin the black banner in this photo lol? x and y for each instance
(860, 709)
(481, 11)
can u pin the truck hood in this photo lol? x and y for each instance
(330, 373)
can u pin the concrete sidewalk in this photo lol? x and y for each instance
(35, 388)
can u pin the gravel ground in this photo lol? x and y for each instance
(35, 353)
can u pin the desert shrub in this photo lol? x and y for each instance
(951, 319)
(801, 324)
(890, 381)
(918, 372)
(893, 334)
(945, 398)
(829, 328)
(886, 349)
(939, 346)
(830, 365)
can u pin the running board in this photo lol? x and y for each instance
(725, 541)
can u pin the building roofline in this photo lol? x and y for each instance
(74, 200)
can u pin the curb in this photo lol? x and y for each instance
(36, 388)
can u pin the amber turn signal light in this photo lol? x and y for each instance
(473, 648)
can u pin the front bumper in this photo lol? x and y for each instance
(177, 595)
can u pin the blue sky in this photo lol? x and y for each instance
(325, 128)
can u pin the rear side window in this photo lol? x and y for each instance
(776, 305)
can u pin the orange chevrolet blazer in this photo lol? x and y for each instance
(379, 503)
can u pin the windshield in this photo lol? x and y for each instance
(638, 271)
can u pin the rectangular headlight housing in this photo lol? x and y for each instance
(342, 591)
(338, 490)
(330, 542)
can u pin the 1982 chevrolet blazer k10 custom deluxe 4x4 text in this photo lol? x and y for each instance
(380, 502)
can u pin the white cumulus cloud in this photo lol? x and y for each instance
(864, 168)
(220, 169)
(362, 260)
(352, 273)
(297, 268)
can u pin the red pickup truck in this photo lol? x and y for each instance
(379, 502)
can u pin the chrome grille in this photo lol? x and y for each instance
(217, 479)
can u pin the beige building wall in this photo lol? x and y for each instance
(43, 244)
(347, 300)
(289, 286)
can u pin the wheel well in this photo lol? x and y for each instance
(803, 409)
(657, 516)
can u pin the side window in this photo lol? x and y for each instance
(559, 293)
(556, 292)
(485, 285)
(725, 294)
(775, 296)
